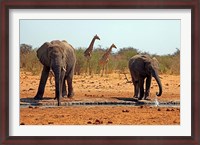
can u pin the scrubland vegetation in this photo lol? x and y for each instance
(168, 64)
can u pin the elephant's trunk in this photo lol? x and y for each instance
(59, 76)
(57, 72)
(155, 75)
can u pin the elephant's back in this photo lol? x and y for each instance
(133, 60)
(137, 61)
(63, 46)
(139, 57)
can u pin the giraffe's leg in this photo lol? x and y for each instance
(106, 70)
(86, 68)
(102, 70)
(90, 71)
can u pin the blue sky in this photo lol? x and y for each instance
(153, 36)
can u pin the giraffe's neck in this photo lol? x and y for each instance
(105, 58)
(91, 44)
(109, 51)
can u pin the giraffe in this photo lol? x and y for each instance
(88, 53)
(105, 58)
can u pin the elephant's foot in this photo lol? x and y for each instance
(70, 95)
(135, 99)
(147, 98)
(58, 99)
(38, 97)
(140, 98)
(59, 102)
(64, 94)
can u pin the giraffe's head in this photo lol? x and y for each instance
(113, 46)
(96, 37)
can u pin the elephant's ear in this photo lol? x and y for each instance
(148, 66)
(155, 63)
(42, 54)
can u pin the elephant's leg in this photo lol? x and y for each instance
(136, 85)
(64, 91)
(141, 86)
(148, 84)
(69, 83)
(43, 80)
(137, 90)
(70, 87)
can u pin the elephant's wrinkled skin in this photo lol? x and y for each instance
(143, 67)
(60, 57)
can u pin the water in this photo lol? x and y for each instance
(154, 103)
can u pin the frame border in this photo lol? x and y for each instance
(98, 4)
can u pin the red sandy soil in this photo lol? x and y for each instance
(112, 87)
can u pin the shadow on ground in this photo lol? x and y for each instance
(136, 101)
(32, 101)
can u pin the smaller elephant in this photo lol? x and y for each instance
(144, 67)
(60, 57)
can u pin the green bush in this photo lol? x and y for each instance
(94, 62)
(80, 61)
(24, 51)
(168, 64)
(127, 53)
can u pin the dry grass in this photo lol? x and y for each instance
(169, 64)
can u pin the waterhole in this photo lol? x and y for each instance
(30, 102)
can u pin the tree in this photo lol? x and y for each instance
(25, 48)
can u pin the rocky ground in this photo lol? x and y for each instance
(93, 89)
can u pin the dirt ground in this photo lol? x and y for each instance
(109, 88)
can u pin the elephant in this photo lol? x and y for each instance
(143, 67)
(58, 56)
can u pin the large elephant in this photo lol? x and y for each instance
(144, 67)
(60, 57)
